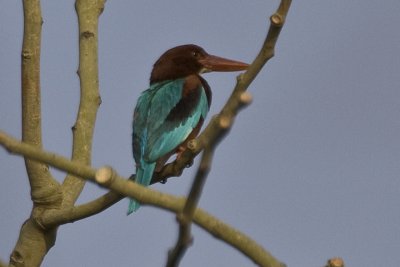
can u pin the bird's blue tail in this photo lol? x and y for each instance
(144, 173)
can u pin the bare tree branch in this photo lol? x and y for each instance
(88, 12)
(234, 103)
(44, 188)
(33, 243)
(76, 213)
(216, 130)
(185, 217)
(107, 178)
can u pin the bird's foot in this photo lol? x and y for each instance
(189, 164)
(132, 177)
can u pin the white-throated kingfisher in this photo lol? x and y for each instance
(172, 111)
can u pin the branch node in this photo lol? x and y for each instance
(277, 20)
(87, 34)
(16, 259)
(193, 145)
(182, 218)
(99, 100)
(225, 122)
(335, 262)
(105, 175)
(246, 98)
(26, 54)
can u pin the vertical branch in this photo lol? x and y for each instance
(43, 186)
(186, 216)
(217, 129)
(88, 14)
(34, 242)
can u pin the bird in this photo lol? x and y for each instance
(172, 110)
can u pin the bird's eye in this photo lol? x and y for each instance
(195, 54)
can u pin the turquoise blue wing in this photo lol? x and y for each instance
(163, 120)
(152, 108)
(173, 132)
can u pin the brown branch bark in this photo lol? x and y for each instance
(2, 264)
(76, 213)
(215, 131)
(33, 242)
(38, 173)
(47, 195)
(88, 12)
(107, 178)
(185, 217)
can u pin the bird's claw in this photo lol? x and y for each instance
(189, 164)
(132, 177)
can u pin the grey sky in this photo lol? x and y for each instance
(310, 169)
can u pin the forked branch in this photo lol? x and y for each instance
(107, 178)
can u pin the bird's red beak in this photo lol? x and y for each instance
(214, 63)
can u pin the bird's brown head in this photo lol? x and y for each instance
(184, 60)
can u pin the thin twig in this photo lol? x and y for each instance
(88, 13)
(217, 129)
(72, 214)
(185, 217)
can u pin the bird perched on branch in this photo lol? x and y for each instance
(171, 112)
